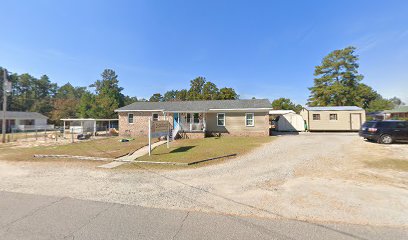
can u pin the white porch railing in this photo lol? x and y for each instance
(192, 126)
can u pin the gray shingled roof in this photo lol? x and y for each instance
(199, 106)
(23, 115)
(334, 108)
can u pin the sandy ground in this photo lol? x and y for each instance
(320, 177)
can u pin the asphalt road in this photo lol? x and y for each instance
(27, 216)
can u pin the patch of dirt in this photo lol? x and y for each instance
(313, 177)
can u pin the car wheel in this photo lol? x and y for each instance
(386, 139)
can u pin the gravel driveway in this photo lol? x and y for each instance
(314, 177)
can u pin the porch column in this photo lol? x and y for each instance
(63, 130)
(204, 123)
(94, 128)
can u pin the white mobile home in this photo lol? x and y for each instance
(338, 118)
(25, 121)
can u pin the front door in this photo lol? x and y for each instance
(175, 120)
(355, 119)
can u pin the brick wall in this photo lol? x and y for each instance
(140, 125)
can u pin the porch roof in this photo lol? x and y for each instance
(199, 106)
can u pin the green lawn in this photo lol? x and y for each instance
(107, 148)
(191, 150)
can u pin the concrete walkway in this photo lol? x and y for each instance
(130, 158)
(28, 216)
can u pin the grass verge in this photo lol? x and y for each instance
(191, 150)
(107, 148)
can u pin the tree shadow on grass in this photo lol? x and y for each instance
(182, 149)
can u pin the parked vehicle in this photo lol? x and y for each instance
(385, 132)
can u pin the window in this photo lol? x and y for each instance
(220, 119)
(27, 122)
(188, 118)
(155, 117)
(249, 119)
(333, 116)
(130, 118)
(196, 118)
(316, 116)
(401, 125)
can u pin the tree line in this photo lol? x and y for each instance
(200, 89)
(337, 82)
(99, 100)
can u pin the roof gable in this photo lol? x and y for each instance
(24, 115)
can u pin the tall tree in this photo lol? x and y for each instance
(285, 104)
(157, 97)
(66, 102)
(170, 95)
(196, 89)
(182, 95)
(380, 104)
(227, 94)
(87, 106)
(108, 95)
(337, 79)
(210, 91)
(397, 101)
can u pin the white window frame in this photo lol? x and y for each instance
(317, 115)
(335, 114)
(133, 118)
(246, 120)
(219, 118)
(157, 119)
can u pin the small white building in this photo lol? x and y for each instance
(25, 121)
(287, 121)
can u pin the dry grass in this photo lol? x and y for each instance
(107, 148)
(393, 164)
(191, 150)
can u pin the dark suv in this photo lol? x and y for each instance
(385, 132)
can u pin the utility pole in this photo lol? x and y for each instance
(3, 123)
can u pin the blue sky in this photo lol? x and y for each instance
(263, 49)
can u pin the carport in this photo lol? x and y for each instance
(84, 125)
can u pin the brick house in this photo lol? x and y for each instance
(198, 119)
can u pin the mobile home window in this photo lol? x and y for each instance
(333, 116)
(316, 116)
(220, 119)
(130, 118)
(155, 117)
(249, 119)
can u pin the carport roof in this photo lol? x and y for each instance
(335, 108)
(198, 106)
